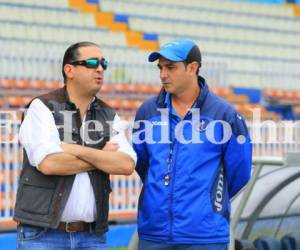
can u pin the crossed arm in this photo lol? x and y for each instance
(63, 164)
(108, 159)
(75, 159)
(40, 138)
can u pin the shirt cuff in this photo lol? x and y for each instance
(44, 150)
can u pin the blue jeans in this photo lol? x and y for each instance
(39, 238)
(151, 245)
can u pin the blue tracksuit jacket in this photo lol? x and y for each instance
(210, 161)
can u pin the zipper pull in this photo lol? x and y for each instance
(167, 179)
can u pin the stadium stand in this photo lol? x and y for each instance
(241, 43)
(126, 71)
(250, 58)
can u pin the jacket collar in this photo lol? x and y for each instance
(161, 98)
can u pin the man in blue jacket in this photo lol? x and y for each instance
(194, 155)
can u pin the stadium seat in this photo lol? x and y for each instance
(223, 92)
(14, 101)
(238, 99)
(285, 97)
(115, 103)
(297, 112)
(267, 243)
(251, 110)
(120, 87)
(242, 244)
(291, 241)
(8, 83)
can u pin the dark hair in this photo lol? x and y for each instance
(72, 54)
(194, 56)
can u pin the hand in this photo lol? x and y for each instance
(109, 146)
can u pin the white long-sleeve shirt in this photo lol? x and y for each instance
(39, 137)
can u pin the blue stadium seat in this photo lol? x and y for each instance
(242, 244)
(291, 241)
(267, 243)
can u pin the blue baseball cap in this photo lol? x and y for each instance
(177, 51)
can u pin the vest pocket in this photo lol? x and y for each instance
(36, 199)
(36, 193)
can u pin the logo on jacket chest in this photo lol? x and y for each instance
(202, 125)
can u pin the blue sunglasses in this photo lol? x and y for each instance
(92, 63)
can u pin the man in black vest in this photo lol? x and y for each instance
(62, 200)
